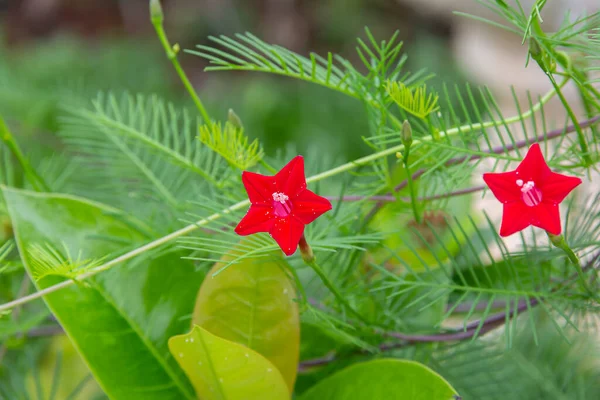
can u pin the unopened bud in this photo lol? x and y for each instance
(156, 12)
(306, 251)
(234, 120)
(534, 48)
(564, 59)
(406, 134)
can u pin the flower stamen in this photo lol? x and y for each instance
(282, 207)
(280, 197)
(532, 196)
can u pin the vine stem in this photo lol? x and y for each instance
(157, 20)
(388, 198)
(539, 58)
(580, 136)
(311, 261)
(127, 256)
(244, 203)
(560, 242)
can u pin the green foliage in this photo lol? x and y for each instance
(128, 347)
(144, 147)
(220, 369)
(415, 102)
(253, 303)
(47, 261)
(230, 142)
(252, 54)
(383, 379)
(149, 196)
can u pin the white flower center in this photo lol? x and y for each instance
(532, 196)
(280, 197)
(282, 206)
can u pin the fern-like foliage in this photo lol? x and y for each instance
(230, 142)
(144, 148)
(383, 60)
(416, 102)
(249, 53)
(486, 275)
(45, 260)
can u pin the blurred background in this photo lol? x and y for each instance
(57, 50)
(57, 53)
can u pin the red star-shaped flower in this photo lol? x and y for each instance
(530, 194)
(281, 205)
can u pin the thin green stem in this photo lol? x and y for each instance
(586, 99)
(171, 52)
(327, 282)
(543, 61)
(580, 135)
(127, 256)
(575, 261)
(560, 242)
(245, 203)
(8, 139)
(411, 187)
(310, 260)
(439, 135)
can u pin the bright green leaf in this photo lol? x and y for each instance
(230, 142)
(383, 379)
(224, 370)
(417, 102)
(119, 320)
(252, 303)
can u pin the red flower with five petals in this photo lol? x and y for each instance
(530, 194)
(281, 205)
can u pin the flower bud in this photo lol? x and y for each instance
(534, 48)
(306, 251)
(234, 120)
(156, 12)
(564, 59)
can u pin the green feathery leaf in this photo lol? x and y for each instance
(49, 261)
(230, 143)
(416, 102)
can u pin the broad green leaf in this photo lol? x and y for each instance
(252, 303)
(224, 370)
(119, 320)
(383, 379)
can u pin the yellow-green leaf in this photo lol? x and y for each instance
(387, 379)
(416, 102)
(252, 302)
(224, 370)
(232, 144)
